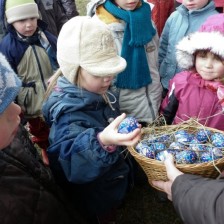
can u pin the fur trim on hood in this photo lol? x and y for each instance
(186, 48)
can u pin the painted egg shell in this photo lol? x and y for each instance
(211, 155)
(161, 155)
(186, 156)
(145, 150)
(183, 136)
(129, 124)
(176, 145)
(217, 139)
(205, 157)
(203, 135)
(152, 139)
(217, 153)
(164, 138)
(196, 145)
(158, 146)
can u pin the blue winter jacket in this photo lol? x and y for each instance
(76, 117)
(179, 24)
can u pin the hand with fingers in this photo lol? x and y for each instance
(172, 173)
(110, 135)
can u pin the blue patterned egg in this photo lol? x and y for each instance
(161, 155)
(129, 124)
(217, 139)
(152, 139)
(158, 146)
(205, 157)
(203, 135)
(186, 156)
(211, 155)
(183, 136)
(145, 150)
(196, 145)
(176, 145)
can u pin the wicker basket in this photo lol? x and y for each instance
(155, 169)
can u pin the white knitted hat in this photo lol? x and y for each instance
(209, 37)
(88, 43)
(16, 10)
(9, 84)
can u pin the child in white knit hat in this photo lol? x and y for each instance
(28, 190)
(85, 154)
(31, 52)
(198, 91)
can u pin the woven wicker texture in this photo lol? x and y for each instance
(155, 169)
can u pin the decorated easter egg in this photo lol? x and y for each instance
(129, 124)
(145, 150)
(205, 157)
(217, 139)
(183, 136)
(186, 156)
(158, 146)
(161, 155)
(196, 145)
(177, 145)
(203, 135)
(212, 154)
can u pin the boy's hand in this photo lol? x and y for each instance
(172, 173)
(110, 135)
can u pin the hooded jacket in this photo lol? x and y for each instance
(34, 60)
(187, 98)
(76, 116)
(179, 24)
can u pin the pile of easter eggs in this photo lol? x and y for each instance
(187, 148)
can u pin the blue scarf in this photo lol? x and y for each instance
(138, 32)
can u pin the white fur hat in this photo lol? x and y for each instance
(209, 37)
(88, 43)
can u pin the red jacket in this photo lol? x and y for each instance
(161, 11)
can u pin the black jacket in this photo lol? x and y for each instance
(28, 193)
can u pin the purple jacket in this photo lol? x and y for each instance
(188, 97)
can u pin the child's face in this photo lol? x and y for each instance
(26, 27)
(128, 5)
(209, 66)
(93, 83)
(9, 122)
(194, 4)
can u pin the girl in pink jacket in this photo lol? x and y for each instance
(198, 91)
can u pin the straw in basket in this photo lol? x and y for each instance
(155, 169)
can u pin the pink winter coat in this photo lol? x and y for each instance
(188, 97)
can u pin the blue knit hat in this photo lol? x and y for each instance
(9, 84)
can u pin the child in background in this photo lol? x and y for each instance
(198, 91)
(160, 12)
(52, 13)
(28, 191)
(186, 19)
(85, 154)
(136, 40)
(31, 52)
